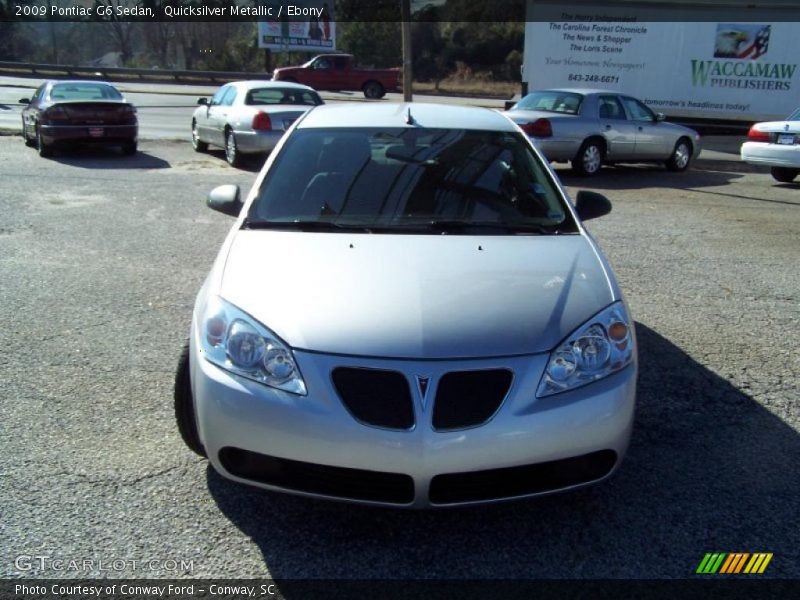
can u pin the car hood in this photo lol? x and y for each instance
(416, 296)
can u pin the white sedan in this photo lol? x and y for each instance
(775, 144)
(249, 117)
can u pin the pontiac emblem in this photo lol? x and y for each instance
(422, 386)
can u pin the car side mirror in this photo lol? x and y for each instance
(660, 117)
(590, 205)
(225, 199)
(24, 100)
(202, 101)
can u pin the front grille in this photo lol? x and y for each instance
(375, 397)
(340, 482)
(469, 398)
(495, 484)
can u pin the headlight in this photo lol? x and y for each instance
(233, 340)
(599, 347)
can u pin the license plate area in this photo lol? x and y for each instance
(96, 132)
(786, 138)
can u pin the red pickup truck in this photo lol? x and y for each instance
(338, 72)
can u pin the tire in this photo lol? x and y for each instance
(784, 174)
(28, 141)
(45, 150)
(373, 90)
(198, 145)
(129, 148)
(184, 405)
(681, 156)
(232, 154)
(589, 159)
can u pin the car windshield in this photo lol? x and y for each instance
(397, 180)
(552, 101)
(84, 91)
(272, 95)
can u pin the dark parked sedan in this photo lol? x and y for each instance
(77, 112)
(595, 127)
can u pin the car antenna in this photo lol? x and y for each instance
(409, 118)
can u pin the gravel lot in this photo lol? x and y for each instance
(100, 258)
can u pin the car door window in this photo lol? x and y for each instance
(218, 96)
(229, 97)
(637, 110)
(322, 64)
(610, 108)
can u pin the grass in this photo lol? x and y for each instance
(469, 87)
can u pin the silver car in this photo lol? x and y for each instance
(409, 312)
(249, 117)
(593, 127)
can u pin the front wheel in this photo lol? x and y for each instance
(681, 156)
(784, 174)
(589, 158)
(184, 405)
(30, 143)
(373, 90)
(197, 144)
(232, 154)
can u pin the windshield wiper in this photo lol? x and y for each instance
(447, 226)
(306, 226)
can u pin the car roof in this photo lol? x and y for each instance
(53, 82)
(392, 114)
(251, 84)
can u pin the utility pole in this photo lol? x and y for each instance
(408, 74)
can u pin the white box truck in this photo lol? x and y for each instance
(717, 68)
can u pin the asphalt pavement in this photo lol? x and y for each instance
(101, 256)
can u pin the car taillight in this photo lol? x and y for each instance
(262, 121)
(754, 135)
(55, 113)
(538, 128)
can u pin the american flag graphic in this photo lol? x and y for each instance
(757, 46)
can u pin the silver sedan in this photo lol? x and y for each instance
(593, 127)
(249, 117)
(408, 311)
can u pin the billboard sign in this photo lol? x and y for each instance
(303, 25)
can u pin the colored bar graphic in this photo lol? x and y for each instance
(732, 563)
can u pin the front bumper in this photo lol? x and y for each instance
(771, 155)
(312, 445)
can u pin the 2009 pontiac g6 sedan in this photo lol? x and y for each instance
(408, 311)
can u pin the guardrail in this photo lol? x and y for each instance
(19, 69)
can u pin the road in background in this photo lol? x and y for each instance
(165, 110)
(101, 257)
